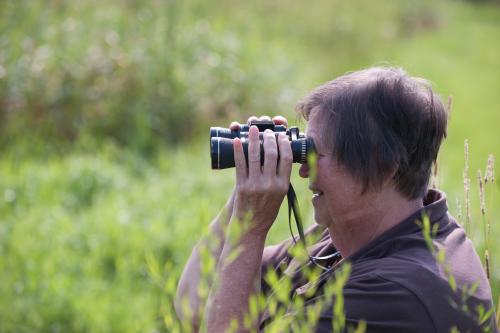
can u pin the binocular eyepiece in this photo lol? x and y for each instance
(221, 143)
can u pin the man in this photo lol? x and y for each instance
(376, 133)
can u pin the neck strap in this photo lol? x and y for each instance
(293, 207)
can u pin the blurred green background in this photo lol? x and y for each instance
(105, 180)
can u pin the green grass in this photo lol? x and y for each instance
(75, 233)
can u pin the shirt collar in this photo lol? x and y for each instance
(435, 208)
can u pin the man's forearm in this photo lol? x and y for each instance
(238, 279)
(189, 283)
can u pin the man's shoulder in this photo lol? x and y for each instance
(420, 293)
(383, 301)
(409, 281)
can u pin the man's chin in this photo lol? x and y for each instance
(321, 219)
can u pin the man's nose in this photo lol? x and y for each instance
(304, 170)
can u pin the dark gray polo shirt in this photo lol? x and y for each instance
(396, 284)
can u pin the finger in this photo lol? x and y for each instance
(254, 169)
(265, 118)
(239, 161)
(286, 157)
(280, 120)
(270, 154)
(252, 118)
(234, 126)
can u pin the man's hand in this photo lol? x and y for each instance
(260, 189)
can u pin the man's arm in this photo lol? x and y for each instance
(188, 287)
(189, 284)
(259, 194)
(238, 280)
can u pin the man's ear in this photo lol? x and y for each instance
(389, 178)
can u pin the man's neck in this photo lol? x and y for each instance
(375, 215)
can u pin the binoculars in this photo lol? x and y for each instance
(221, 143)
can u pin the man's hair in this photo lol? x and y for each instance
(378, 123)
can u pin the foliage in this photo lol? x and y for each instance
(137, 74)
(143, 73)
(76, 233)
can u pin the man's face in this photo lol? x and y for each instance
(335, 193)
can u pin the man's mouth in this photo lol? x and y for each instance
(316, 193)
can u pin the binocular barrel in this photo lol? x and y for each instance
(221, 132)
(221, 142)
(222, 153)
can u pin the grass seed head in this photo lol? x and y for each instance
(481, 191)
(489, 175)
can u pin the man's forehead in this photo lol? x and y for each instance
(314, 130)
(316, 123)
